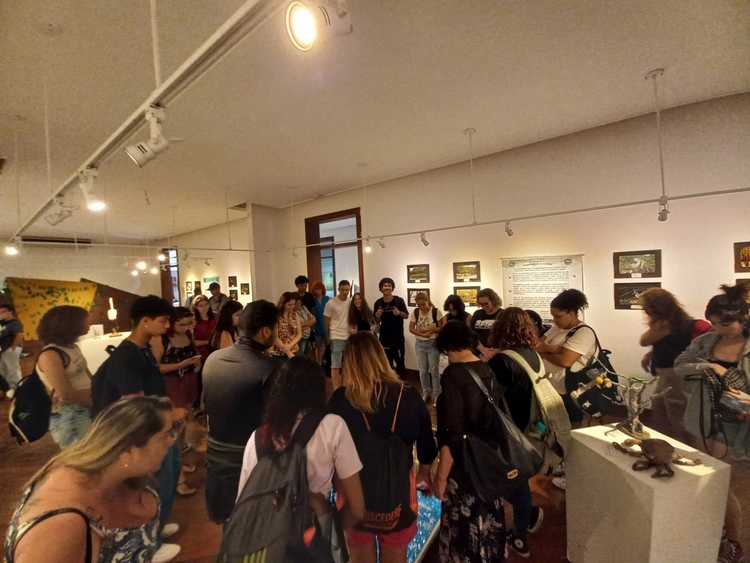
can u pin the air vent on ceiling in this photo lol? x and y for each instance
(54, 240)
(240, 206)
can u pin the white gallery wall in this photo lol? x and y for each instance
(706, 149)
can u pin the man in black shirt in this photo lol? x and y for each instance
(390, 311)
(132, 370)
(482, 320)
(234, 380)
(306, 298)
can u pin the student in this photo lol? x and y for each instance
(337, 327)
(321, 335)
(225, 332)
(11, 338)
(306, 323)
(62, 368)
(482, 320)
(455, 310)
(425, 326)
(361, 318)
(205, 324)
(390, 311)
(96, 492)
(132, 370)
(289, 331)
(374, 391)
(217, 299)
(305, 297)
(234, 379)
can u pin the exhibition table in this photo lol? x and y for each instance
(95, 349)
(618, 515)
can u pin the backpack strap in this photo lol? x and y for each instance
(62, 353)
(519, 359)
(395, 415)
(596, 338)
(434, 315)
(307, 427)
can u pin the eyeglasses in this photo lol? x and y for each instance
(176, 427)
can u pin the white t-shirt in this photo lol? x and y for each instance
(425, 321)
(330, 450)
(338, 310)
(582, 342)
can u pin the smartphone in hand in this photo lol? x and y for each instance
(734, 404)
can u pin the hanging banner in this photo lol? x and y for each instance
(531, 283)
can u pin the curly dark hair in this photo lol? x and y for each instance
(731, 305)
(659, 304)
(363, 313)
(299, 386)
(513, 328)
(62, 325)
(570, 301)
(385, 281)
(454, 337)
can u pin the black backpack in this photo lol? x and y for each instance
(390, 505)
(99, 384)
(272, 520)
(30, 410)
(434, 315)
(597, 400)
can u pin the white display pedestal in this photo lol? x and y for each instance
(617, 515)
(95, 349)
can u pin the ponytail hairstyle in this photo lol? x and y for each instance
(731, 306)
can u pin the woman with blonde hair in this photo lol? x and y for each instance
(373, 400)
(425, 325)
(93, 501)
(290, 329)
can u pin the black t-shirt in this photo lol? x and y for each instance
(391, 326)
(481, 324)
(8, 333)
(234, 380)
(666, 350)
(130, 370)
(412, 425)
(308, 300)
(515, 383)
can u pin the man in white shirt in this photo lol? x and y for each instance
(336, 316)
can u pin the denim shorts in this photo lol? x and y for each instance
(69, 424)
(337, 352)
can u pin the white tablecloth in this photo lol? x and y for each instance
(95, 349)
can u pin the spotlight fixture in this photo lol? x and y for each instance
(663, 208)
(11, 249)
(381, 243)
(94, 201)
(424, 240)
(154, 270)
(58, 211)
(305, 20)
(134, 273)
(161, 257)
(144, 152)
(294, 251)
(508, 230)
(207, 262)
(141, 266)
(368, 248)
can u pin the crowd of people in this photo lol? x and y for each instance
(257, 374)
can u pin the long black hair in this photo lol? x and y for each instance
(299, 386)
(224, 322)
(363, 313)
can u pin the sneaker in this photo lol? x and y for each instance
(559, 482)
(426, 397)
(559, 470)
(535, 522)
(730, 552)
(519, 545)
(166, 552)
(169, 530)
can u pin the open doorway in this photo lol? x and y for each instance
(339, 256)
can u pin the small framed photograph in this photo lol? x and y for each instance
(233, 294)
(742, 256)
(418, 273)
(466, 272)
(245, 289)
(468, 294)
(197, 288)
(627, 294)
(413, 295)
(232, 281)
(189, 286)
(637, 264)
(746, 282)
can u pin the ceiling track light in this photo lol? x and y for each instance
(294, 251)
(161, 257)
(11, 249)
(423, 238)
(663, 200)
(368, 248)
(59, 211)
(306, 20)
(94, 200)
(663, 208)
(508, 230)
(144, 152)
(381, 242)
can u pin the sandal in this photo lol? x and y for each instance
(188, 467)
(186, 491)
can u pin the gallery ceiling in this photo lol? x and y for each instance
(396, 95)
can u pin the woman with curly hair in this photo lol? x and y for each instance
(290, 329)
(62, 368)
(225, 333)
(361, 318)
(515, 332)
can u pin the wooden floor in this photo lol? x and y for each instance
(200, 538)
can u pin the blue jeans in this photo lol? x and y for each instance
(168, 477)
(69, 424)
(428, 359)
(520, 499)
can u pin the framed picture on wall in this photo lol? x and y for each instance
(626, 294)
(209, 281)
(197, 287)
(746, 282)
(466, 272)
(233, 294)
(188, 286)
(742, 256)
(232, 281)
(413, 294)
(244, 289)
(637, 264)
(468, 294)
(418, 273)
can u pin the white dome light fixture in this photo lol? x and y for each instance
(368, 248)
(11, 250)
(305, 21)
(59, 211)
(144, 152)
(508, 230)
(154, 270)
(94, 200)
(134, 273)
(141, 266)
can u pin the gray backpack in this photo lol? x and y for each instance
(272, 520)
(549, 425)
